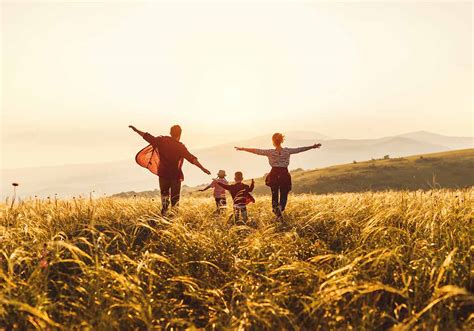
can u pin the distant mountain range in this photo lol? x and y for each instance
(113, 177)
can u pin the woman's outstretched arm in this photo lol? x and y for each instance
(254, 150)
(303, 149)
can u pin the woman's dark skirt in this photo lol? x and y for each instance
(279, 178)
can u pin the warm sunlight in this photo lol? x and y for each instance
(228, 94)
(236, 165)
(228, 70)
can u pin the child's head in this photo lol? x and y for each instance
(239, 177)
(221, 174)
(278, 139)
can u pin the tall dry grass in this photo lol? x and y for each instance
(345, 261)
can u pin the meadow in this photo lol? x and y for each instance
(353, 261)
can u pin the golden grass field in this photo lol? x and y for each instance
(361, 261)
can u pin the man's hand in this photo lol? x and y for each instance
(239, 148)
(200, 166)
(316, 145)
(141, 133)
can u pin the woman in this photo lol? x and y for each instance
(279, 179)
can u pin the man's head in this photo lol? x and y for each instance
(175, 132)
(277, 139)
(239, 177)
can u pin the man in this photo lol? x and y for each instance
(171, 155)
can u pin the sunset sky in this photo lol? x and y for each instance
(75, 75)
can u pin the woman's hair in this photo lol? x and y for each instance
(278, 139)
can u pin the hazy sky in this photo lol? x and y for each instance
(75, 75)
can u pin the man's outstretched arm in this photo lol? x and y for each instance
(141, 133)
(145, 135)
(192, 159)
(200, 166)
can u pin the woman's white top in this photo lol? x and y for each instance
(281, 157)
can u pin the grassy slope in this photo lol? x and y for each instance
(453, 169)
(447, 170)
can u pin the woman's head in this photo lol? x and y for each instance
(278, 139)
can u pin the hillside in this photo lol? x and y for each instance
(439, 170)
(453, 169)
(119, 176)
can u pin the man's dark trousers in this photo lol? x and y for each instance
(169, 188)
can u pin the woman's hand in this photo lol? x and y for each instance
(239, 148)
(133, 128)
(316, 145)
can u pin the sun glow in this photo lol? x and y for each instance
(228, 92)
(77, 73)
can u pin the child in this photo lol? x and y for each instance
(240, 195)
(219, 192)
